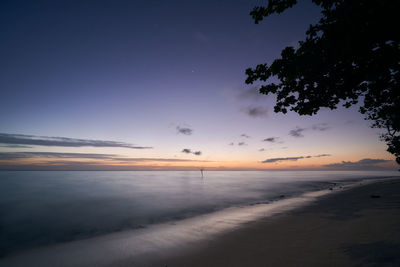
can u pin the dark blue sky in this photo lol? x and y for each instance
(133, 71)
(51, 50)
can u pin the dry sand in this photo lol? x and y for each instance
(348, 228)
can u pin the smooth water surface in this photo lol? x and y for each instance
(41, 208)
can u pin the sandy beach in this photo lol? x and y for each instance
(355, 227)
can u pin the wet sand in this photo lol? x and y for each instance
(355, 227)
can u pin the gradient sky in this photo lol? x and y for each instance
(138, 82)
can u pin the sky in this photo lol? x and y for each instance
(159, 85)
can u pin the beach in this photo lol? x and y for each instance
(353, 225)
(199, 133)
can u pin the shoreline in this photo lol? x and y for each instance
(354, 227)
(230, 237)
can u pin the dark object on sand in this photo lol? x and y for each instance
(281, 196)
(375, 196)
(330, 188)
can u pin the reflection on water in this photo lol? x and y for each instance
(148, 246)
(40, 208)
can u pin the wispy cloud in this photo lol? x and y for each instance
(255, 112)
(27, 155)
(284, 159)
(320, 127)
(7, 156)
(158, 160)
(363, 164)
(272, 160)
(93, 166)
(14, 146)
(184, 130)
(297, 132)
(189, 151)
(23, 139)
(242, 143)
(245, 135)
(322, 155)
(272, 140)
(261, 149)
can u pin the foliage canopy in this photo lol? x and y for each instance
(351, 56)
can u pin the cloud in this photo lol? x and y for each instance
(158, 160)
(22, 139)
(255, 112)
(189, 151)
(322, 155)
(14, 146)
(27, 155)
(83, 166)
(283, 159)
(363, 164)
(70, 163)
(231, 144)
(320, 127)
(112, 157)
(272, 140)
(245, 135)
(272, 160)
(261, 149)
(371, 161)
(184, 130)
(242, 144)
(297, 132)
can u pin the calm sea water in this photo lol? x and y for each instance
(42, 208)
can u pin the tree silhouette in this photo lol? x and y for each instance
(351, 56)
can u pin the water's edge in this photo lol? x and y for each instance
(139, 244)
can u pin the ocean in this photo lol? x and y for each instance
(43, 208)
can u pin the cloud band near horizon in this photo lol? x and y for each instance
(23, 139)
(9, 156)
(272, 160)
(363, 164)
